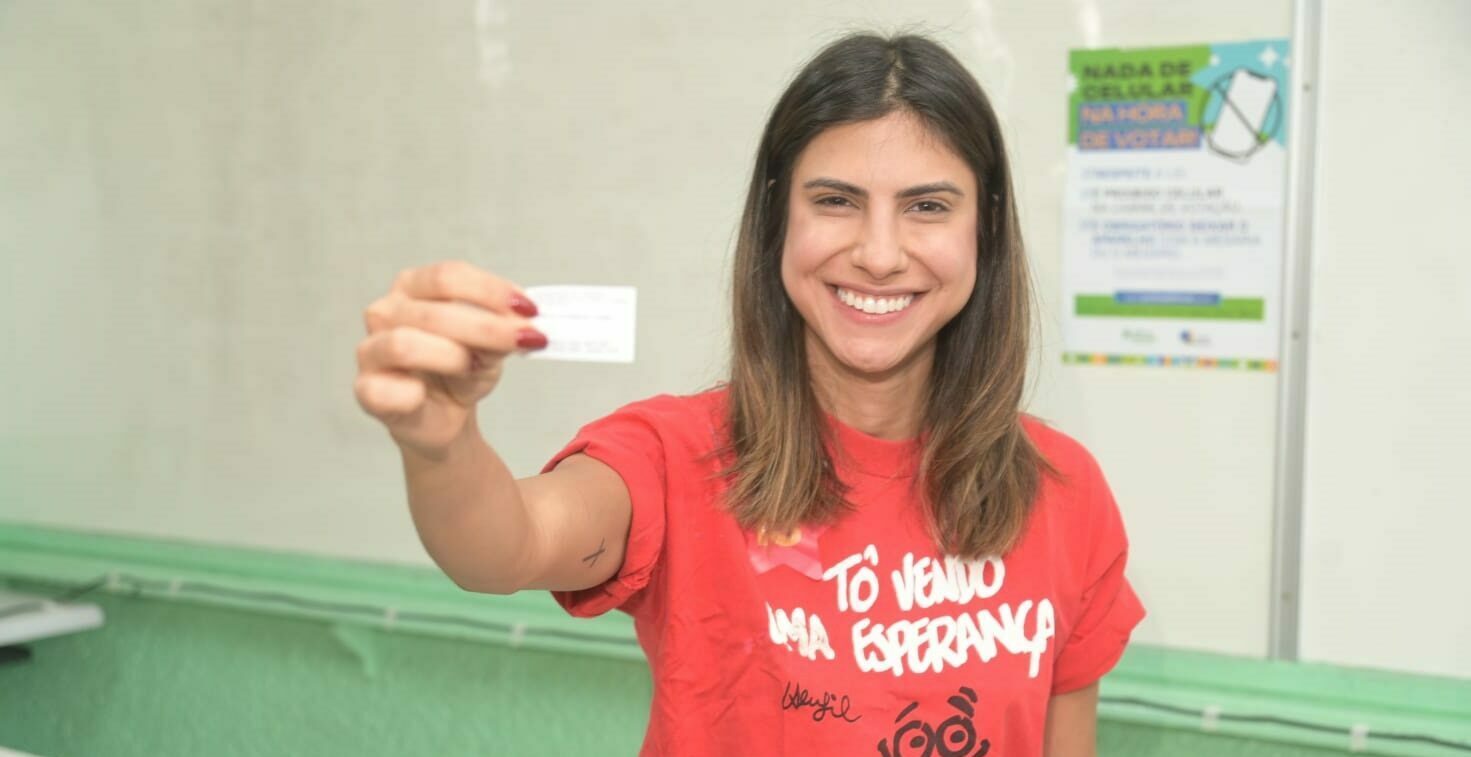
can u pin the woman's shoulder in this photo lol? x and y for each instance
(674, 408)
(661, 428)
(1066, 454)
(1075, 493)
(692, 420)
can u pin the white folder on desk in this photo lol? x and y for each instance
(26, 617)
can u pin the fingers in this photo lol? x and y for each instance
(458, 280)
(450, 320)
(467, 325)
(389, 394)
(409, 349)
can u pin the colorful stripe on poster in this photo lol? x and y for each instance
(1173, 361)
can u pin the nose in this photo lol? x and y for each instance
(879, 251)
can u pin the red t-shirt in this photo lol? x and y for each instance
(858, 638)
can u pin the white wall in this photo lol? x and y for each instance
(1387, 514)
(202, 197)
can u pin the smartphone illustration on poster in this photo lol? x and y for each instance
(1245, 106)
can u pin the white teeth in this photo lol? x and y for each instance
(874, 305)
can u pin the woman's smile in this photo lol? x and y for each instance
(863, 306)
(880, 247)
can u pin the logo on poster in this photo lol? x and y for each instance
(1195, 338)
(1138, 336)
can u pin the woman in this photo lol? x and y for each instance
(858, 545)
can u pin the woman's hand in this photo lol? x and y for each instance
(436, 345)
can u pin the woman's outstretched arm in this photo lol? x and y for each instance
(1072, 724)
(436, 345)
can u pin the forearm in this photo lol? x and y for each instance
(1072, 724)
(469, 513)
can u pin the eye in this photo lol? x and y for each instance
(834, 201)
(929, 206)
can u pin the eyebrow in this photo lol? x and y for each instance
(857, 191)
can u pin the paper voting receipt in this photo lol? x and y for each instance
(593, 324)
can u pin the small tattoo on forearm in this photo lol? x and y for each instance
(592, 559)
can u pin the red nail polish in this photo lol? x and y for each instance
(530, 339)
(523, 306)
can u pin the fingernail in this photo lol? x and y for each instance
(522, 305)
(530, 339)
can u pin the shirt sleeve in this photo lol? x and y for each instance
(1109, 607)
(627, 441)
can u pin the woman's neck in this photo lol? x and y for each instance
(888, 405)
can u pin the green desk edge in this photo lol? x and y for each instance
(403, 597)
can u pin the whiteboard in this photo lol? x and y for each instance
(1388, 430)
(202, 197)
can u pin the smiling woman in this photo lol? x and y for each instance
(877, 264)
(882, 173)
(858, 544)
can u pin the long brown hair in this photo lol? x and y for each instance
(979, 470)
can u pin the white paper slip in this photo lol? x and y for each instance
(592, 324)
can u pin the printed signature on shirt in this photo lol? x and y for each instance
(795, 698)
(954, 737)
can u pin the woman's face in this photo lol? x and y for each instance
(880, 248)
